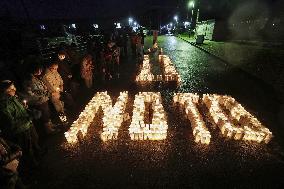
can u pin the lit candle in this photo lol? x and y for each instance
(25, 103)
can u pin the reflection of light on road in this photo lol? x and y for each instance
(173, 40)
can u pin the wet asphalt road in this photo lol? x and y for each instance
(177, 162)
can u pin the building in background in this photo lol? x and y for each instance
(205, 28)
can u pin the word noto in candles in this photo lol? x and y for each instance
(224, 112)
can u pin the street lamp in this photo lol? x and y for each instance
(191, 4)
(130, 20)
(176, 18)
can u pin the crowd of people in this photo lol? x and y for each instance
(37, 97)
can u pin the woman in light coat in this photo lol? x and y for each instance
(54, 84)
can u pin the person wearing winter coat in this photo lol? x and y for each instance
(154, 52)
(64, 70)
(37, 96)
(87, 71)
(54, 83)
(16, 123)
(116, 59)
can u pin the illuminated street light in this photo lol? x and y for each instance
(191, 4)
(135, 23)
(176, 18)
(130, 20)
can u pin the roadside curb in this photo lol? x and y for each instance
(205, 50)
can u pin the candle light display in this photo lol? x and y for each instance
(169, 69)
(157, 129)
(188, 102)
(220, 118)
(63, 118)
(149, 121)
(248, 127)
(253, 128)
(113, 117)
(145, 74)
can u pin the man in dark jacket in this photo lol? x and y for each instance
(16, 123)
(65, 71)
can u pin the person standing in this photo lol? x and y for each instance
(154, 52)
(133, 44)
(54, 83)
(37, 96)
(15, 122)
(116, 60)
(64, 70)
(139, 48)
(155, 36)
(87, 71)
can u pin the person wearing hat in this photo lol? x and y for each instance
(15, 122)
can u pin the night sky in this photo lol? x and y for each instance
(116, 9)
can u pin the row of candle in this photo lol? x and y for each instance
(113, 117)
(145, 72)
(139, 130)
(253, 129)
(188, 102)
(249, 128)
(219, 117)
(170, 73)
(169, 69)
(86, 116)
